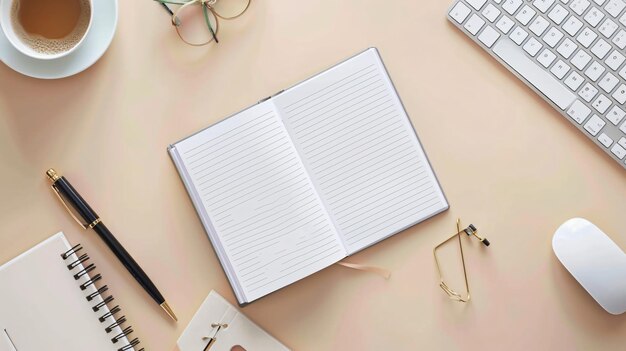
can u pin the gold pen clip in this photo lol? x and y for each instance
(58, 194)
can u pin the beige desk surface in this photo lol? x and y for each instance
(506, 160)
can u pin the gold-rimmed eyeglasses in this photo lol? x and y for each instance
(470, 231)
(197, 21)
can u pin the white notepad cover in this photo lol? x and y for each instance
(241, 331)
(43, 308)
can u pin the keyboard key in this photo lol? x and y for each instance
(578, 111)
(608, 82)
(552, 37)
(572, 25)
(558, 14)
(608, 27)
(533, 73)
(532, 46)
(594, 125)
(599, 2)
(546, 58)
(574, 80)
(620, 39)
(581, 59)
(615, 60)
(618, 151)
(539, 25)
(615, 115)
(614, 7)
(567, 48)
(622, 19)
(594, 71)
(505, 24)
(622, 73)
(623, 128)
(525, 15)
(601, 48)
(491, 13)
(518, 35)
(543, 5)
(511, 6)
(477, 4)
(579, 6)
(560, 69)
(605, 140)
(474, 24)
(588, 92)
(622, 142)
(620, 94)
(489, 36)
(594, 16)
(586, 37)
(601, 104)
(460, 12)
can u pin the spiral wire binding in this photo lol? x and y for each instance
(117, 322)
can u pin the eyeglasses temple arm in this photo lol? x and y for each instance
(208, 23)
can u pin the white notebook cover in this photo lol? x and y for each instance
(43, 308)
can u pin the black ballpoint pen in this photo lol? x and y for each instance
(66, 192)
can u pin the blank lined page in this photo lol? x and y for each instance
(361, 151)
(259, 201)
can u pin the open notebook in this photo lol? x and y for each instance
(50, 302)
(309, 176)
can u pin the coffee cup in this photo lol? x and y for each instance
(46, 29)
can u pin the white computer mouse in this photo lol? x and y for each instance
(594, 260)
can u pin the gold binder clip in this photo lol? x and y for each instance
(470, 231)
(216, 329)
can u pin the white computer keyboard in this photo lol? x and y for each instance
(571, 52)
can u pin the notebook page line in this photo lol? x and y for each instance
(216, 157)
(353, 140)
(290, 108)
(241, 130)
(371, 99)
(339, 101)
(308, 143)
(365, 178)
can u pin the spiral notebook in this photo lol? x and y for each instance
(49, 301)
(308, 177)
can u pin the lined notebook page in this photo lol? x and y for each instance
(361, 151)
(259, 200)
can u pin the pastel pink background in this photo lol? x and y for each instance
(507, 162)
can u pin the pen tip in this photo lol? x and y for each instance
(169, 311)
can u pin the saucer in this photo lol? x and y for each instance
(93, 47)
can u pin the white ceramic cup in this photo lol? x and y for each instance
(9, 31)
